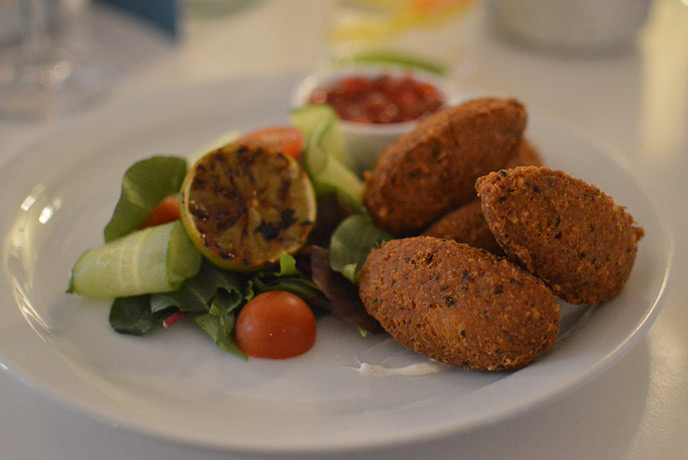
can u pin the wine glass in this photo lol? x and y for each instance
(42, 78)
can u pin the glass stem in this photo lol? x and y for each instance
(38, 19)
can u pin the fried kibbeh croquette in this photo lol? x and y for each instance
(526, 155)
(561, 229)
(457, 304)
(466, 225)
(432, 169)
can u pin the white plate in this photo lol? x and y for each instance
(177, 385)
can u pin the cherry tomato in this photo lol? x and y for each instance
(275, 325)
(167, 211)
(285, 139)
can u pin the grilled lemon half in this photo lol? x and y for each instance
(243, 206)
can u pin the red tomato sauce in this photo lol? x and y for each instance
(380, 100)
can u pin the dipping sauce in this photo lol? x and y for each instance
(381, 99)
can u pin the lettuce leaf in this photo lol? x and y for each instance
(212, 296)
(288, 278)
(197, 293)
(144, 185)
(351, 242)
(345, 303)
(219, 322)
(133, 315)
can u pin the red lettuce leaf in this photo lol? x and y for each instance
(345, 304)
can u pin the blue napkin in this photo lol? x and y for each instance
(164, 14)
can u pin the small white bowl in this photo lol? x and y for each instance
(366, 141)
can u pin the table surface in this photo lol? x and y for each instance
(635, 102)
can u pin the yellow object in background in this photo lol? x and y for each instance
(381, 19)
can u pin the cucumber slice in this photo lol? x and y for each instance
(155, 259)
(326, 158)
(316, 117)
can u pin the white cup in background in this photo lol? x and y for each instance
(570, 25)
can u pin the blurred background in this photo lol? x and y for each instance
(608, 50)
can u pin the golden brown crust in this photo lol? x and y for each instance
(466, 225)
(563, 230)
(433, 168)
(459, 305)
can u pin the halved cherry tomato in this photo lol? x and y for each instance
(275, 325)
(285, 139)
(167, 211)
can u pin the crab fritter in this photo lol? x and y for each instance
(561, 229)
(466, 225)
(457, 304)
(432, 169)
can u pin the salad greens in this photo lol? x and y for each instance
(288, 278)
(212, 297)
(133, 315)
(145, 184)
(199, 292)
(351, 242)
